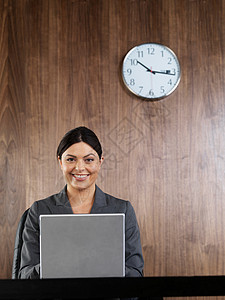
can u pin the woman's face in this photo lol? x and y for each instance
(80, 165)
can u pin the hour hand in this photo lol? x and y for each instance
(148, 70)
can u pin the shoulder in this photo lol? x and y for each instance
(45, 205)
(111, 204)
(118, 203)
(123, 206)
(103, 199)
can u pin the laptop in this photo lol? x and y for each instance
(82, 245)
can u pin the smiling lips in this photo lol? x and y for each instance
(80, 177)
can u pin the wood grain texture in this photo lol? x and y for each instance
(3, 142)
(60, 68)
(12, 199)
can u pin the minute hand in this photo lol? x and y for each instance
(166, 72)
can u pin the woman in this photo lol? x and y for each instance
(80, 157)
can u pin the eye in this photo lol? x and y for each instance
(89, 160)
(70, 159)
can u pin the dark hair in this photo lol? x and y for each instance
(76, 135)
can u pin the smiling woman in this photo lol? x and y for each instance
(80, 165)
(80, 158)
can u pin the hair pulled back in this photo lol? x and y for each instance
(76, 135)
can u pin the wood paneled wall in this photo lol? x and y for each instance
(60, 67)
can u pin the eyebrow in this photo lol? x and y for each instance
(84, 156)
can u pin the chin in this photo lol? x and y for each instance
(81, 187)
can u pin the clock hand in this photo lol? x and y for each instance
(148, 70)
(166, 72)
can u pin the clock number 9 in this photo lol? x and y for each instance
(129, 71)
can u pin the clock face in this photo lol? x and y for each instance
(151, 71)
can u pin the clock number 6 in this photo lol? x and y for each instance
(151, 93)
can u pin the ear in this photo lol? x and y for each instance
(101, 160)
(60, 162)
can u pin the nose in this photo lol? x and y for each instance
(79, 165)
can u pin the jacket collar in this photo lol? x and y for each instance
(61, 198)
(100, 198)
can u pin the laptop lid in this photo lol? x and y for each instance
(82, 245)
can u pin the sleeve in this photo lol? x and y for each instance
(133, 253)
(30, 253)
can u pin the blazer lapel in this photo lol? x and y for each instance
(62, 204)
(100, 201)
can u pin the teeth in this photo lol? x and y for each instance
(80, 176)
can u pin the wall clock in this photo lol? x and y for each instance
(151, 71)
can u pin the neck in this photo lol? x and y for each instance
(81, 197)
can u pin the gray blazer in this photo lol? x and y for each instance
(59, 204)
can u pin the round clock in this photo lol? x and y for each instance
(151, 71)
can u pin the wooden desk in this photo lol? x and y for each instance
(93, 288)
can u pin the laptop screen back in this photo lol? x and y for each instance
(85, 245)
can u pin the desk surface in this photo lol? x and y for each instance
(90, 288)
